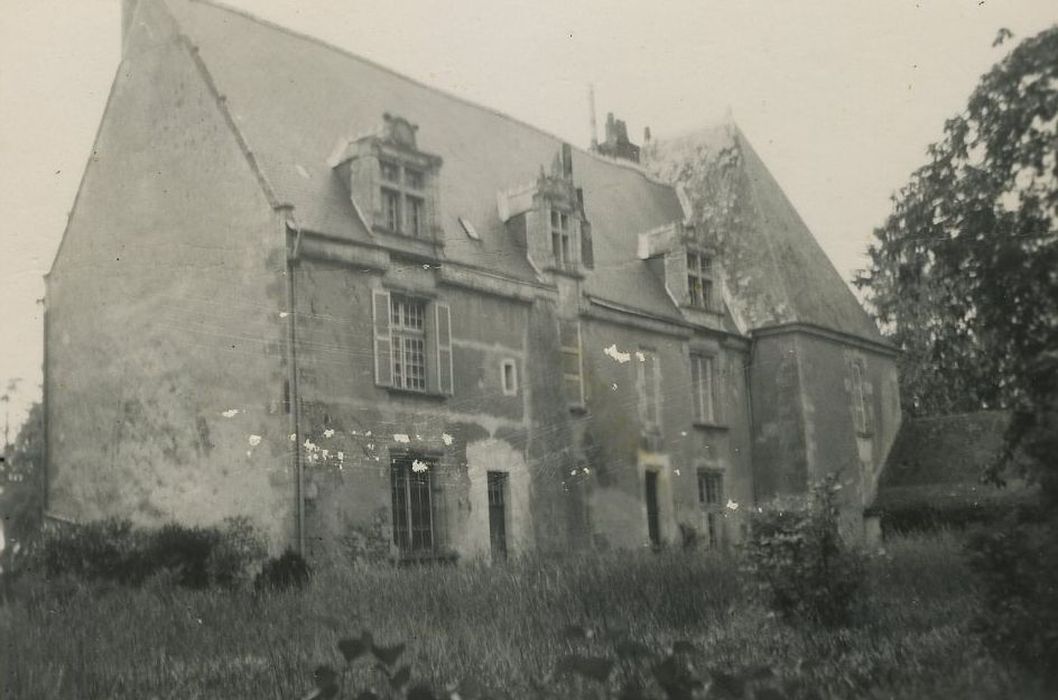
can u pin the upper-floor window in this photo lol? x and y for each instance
(572, 371)
(408, 318)
(703, 387)
(561, 239)
(860, 413)
(413, 343)
(648, 384)
(699, 280)
(403, 198)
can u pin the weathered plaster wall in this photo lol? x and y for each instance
(803, 416)
(164, 340)
(354, 427)
(611, 431)
(780, 463)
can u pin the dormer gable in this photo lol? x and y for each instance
(392, 184)
(547, 218)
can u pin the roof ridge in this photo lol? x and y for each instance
(628, 165)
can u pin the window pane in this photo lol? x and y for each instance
(415, 206)
(391, 208)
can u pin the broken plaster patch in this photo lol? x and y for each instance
(616, 354)
(401, 437)
(230, 413)
(447, 439)
(418, 466)
(255, 440)
(328, 433)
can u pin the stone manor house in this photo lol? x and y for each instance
(371, 316)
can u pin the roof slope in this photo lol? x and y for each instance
(773, 267)
(293, 98)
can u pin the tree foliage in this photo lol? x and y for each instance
(21, 475)
(964, 273)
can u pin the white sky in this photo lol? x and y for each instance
(839, 97)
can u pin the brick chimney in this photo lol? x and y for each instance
(617, 144)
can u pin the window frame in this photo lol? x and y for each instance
(711, 479)
(649, 399)
(705, 386)
(401, 333)
(410, 194)
(701, 272)
(406, 519)
(861, 416)
(562, 238)
(509, 389)
(568, 353)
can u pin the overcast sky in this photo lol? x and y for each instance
(839, 97)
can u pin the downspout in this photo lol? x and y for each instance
(294, 404)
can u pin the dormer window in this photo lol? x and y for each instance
(403, 199)
(393, 185)
(561, 247)
(699, 280)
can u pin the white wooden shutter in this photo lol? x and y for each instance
(444, 348)
(383, 339)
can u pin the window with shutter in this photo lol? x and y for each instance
(413, 343)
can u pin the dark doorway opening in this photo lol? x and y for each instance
(497, 487)
(653, 526)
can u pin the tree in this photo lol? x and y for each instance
(964, 272)
(21, 475)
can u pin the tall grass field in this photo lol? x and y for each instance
(506, 628)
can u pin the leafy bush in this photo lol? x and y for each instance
(114, 551)
(1018, 621)
(795, 554)
(289, 570)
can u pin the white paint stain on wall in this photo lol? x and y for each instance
(447, 439)
(401, 437)
(230, 413)
(255, 440)
(616, 354)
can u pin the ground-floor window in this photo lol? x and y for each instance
(412, 480)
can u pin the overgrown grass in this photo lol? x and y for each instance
(503, 627)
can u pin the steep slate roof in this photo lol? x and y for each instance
(773, 266)
(293, 98)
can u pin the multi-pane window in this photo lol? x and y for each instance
(412, 482)
(408, 324)
(703, 388)
(561, 237)
(403, 198)
(711, 498)
(572, 379)
(648, 383)
(859, 399)
(699, 280)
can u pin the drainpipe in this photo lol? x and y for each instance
(293, 407)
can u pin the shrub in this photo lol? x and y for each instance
(289, 570)
(113, 550)
(795, 554)
(1018, 620)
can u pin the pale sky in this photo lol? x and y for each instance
(839, 97)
